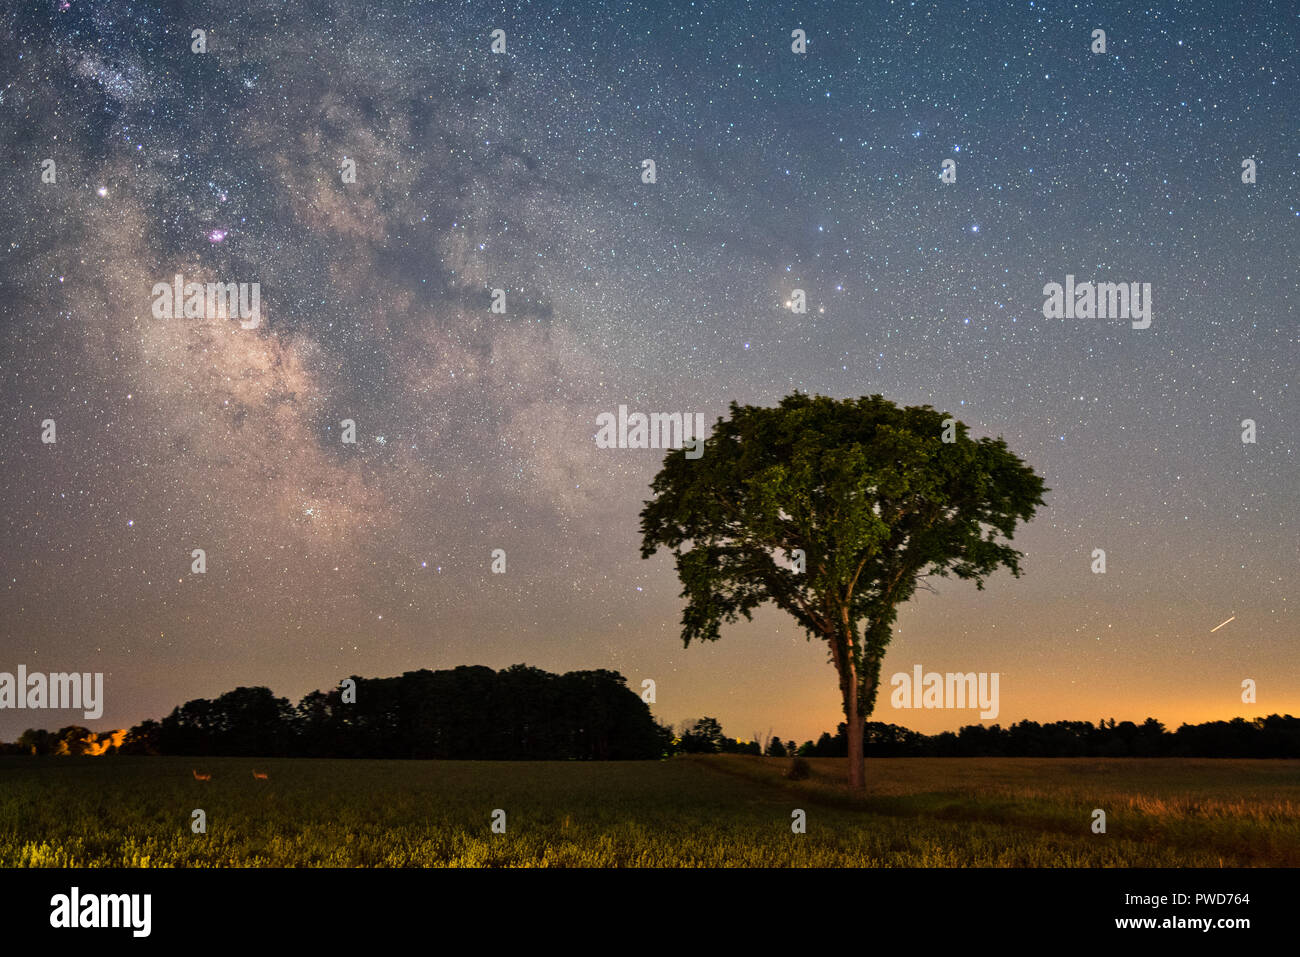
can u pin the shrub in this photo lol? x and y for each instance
(799, 769)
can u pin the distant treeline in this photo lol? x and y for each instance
(518, 714)
(523, 713)
(1277, 736)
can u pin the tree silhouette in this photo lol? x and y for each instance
(703, 736)
(74, 739)
(833, 511)
(469, 712)
(142, 739)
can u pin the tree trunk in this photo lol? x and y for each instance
(857, 765)
(847, 669)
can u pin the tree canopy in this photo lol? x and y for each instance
(834, 510)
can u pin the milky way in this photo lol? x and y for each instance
(522, 171)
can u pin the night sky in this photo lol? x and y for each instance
(475, 430)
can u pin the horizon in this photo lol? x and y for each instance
(674, 724)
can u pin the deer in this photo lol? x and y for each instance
(260, 775)
(201, 777)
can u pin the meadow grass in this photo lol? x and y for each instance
(714, 811)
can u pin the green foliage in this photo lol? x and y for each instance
(868, 492)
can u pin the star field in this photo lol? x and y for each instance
(522, 171)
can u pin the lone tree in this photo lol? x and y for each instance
(834, 510)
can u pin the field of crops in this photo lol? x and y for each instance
(700, 811)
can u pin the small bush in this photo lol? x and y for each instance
(799, 769)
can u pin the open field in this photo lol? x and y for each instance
(702, 811)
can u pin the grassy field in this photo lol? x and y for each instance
(703, 811)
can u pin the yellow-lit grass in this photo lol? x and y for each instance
(705, 811)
